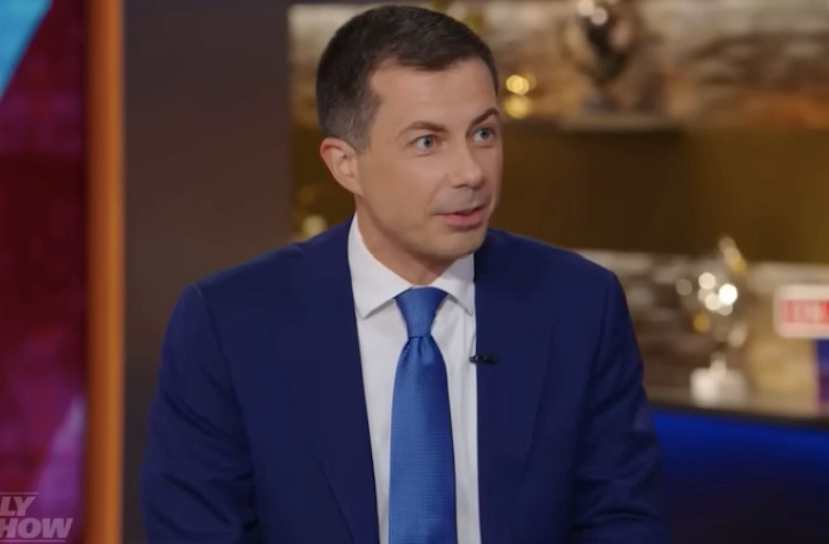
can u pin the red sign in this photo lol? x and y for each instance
(802, 311)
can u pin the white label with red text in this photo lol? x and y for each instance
(802, 311)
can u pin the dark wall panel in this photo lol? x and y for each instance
(206, 169)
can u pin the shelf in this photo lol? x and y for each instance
(789, 411)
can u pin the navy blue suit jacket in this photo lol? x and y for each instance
(258, 431)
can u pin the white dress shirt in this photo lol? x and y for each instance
(382, 335)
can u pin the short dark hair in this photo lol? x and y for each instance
(407, 36)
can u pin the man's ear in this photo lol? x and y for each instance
(341, 159)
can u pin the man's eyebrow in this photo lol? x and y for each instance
(424, 125)
(437, 127)
(484, 116)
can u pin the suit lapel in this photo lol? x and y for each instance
(508, 392)
(328, 381)
(327, 377)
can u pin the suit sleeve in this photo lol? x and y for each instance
(618, 463)
(195, 481)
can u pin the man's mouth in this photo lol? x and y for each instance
(467, 211)
(466, 218)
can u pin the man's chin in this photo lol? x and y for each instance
(461, 243)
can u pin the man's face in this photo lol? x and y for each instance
(430, 177)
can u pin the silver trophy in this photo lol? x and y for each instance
(716, 298)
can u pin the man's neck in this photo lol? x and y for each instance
(413, 269)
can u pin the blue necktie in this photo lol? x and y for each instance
(422, 474)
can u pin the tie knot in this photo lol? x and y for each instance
(419, 306)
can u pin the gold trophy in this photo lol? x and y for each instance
(600, 38)
(607, 42)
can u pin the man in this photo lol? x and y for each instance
(410, 376)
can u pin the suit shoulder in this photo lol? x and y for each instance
(552, 261)
(273, 273)
(270, 267)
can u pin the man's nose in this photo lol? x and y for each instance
(467, 171)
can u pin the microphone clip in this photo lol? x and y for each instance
(484, 358)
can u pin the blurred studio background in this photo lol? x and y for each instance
(682, 143)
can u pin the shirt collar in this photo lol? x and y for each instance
(374, 285)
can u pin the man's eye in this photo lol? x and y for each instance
(425, 142)
(484, 133)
